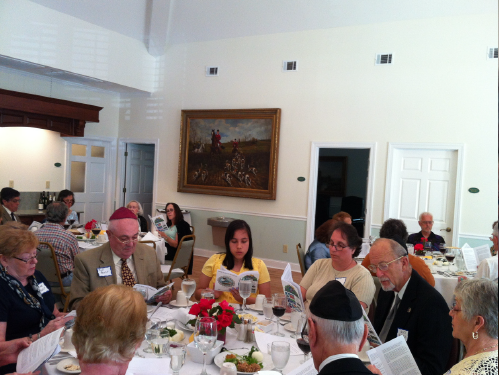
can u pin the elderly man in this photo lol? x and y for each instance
(426, 224)
(336, 331)
(120, 261)
(408, 306)
(64, 243)
(10, 203)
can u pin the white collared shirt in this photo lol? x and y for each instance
(400, 293)
(332, 358)
(9, 212)
(117, 267)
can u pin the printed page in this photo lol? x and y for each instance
(150, 290)
(159, 222)
(482, 252)
(292, 290)
(469, 257)
(372, 336)
(394, 358)
(307, 368)
(226, 280)
(148, 366)
(34, 355)
(262, 339)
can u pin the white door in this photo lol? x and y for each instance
(423, 180)
(87, 177)
(139, 175)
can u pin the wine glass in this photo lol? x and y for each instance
(450, 254)
(177, 357)
(205, 337)
(267, 308)
(301, 335)
(188, 287)
(280, 351)
(96, 230)
(244, 291)
(279, 305)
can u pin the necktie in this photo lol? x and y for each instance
(126, 274)
(13, 217)
(389, 319)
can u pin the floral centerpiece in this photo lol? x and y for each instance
(419, 249)
(89, 226)
(222, 312)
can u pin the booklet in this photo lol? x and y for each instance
(292, 290)
(159, 222)
(226, 280)
(473, 256)
(38, 352)
(307, 368)
(372, 336)
(394, 358)
(151, 292)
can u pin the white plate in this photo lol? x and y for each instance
(267, 360)
(185, 327)
(68, 361)
(253, 307)
(289, 327)
(286, 317)
(84, 239)
(174, 303)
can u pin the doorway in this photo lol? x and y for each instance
(341, 179)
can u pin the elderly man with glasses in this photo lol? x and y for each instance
(408, 306)
(120, 261)
(426, 224)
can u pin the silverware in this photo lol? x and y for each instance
(156, 309)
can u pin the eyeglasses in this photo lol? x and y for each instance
(427, 222)
(26, 260)
(383, 266)
(68, 201)
(454, 307)
(127, 242)
(338, 247)
(170, 210)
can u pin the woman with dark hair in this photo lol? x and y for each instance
(68, 197)
(344, 245)
(177, 228)
(238, 258)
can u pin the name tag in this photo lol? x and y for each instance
(341, 280)
(42, 288)
(403, 332)
(104, 271)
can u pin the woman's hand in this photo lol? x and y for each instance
(10, 353)
(235, 294)
(55, 324)
(374, 370)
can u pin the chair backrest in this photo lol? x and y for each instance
(149, 243)
(301, 259)
(183, 255)
(192, 229)
(47, 263)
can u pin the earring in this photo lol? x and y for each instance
(475, 335)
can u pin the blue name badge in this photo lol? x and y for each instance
(104, 271)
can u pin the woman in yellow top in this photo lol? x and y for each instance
(238, 258)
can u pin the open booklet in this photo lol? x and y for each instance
(292, 290)
(394, 358)
(372, 336)
(151, 292)
(159, 222)
(226, 280)
(38, 352)
(473, 256)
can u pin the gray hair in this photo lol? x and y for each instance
(397, 249)
(57, 212)
(425, 213)
(479, 297)
(339, 332)
(141, 211)
(494, 230)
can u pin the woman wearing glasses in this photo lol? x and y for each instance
(67, 196)
(344, 246)
(177, 228)
(27, 307)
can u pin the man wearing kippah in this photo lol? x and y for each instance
(120, 261)
(336, 331)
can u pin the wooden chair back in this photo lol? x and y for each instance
(183, 256)
(301, 259)
(149, 243)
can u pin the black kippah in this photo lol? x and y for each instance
(335, 302)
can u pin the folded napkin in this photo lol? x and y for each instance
(150, 237)
(183, 316)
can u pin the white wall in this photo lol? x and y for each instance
(440, 88)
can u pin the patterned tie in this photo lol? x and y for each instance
(126, 274)
(389, 320)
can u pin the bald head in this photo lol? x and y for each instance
(388, 252)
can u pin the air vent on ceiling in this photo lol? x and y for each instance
(289, 66)
(383, 58)
(212, 71)
(492, 53)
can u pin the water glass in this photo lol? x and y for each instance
(280, 351)
(188, 287)
(245, 291)
(267, 308)
(151, 334)
(207, 295)
(177, 354)
(205, 337)
(161, 345)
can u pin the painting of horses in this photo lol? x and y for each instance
(229, 152)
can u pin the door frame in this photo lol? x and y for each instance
(122, 142)
(459, 147)
(312, 186)
(110, 179)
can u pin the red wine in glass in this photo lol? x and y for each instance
(450, 257)
(303, 345)
(71, 221)
(66, 226)
(278, 311)
(96, 231)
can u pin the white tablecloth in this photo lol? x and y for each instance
(446, 286)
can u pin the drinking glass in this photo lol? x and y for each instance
(96, 230)
(205, 337)
(244, 291)
(188, 287)
(301, 335)
(450, 254)
(177, 354)
(280, 351)
(279, 305)
(267, 308)
(151, 334)
(161, 344)
(427, 247)
(208, 295)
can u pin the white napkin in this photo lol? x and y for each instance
(150, 237)
(183, 316)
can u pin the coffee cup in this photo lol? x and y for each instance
(181, 298)
(101, 238)
(259, 301)
(295, 316)
(68, 345)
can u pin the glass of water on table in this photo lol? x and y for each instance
(177, 360)
(280, 351)
(267, 308)
(188, 287)
(244, 291)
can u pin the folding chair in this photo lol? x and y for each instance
(182, 259)
(301, 259)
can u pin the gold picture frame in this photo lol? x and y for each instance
(230, 152)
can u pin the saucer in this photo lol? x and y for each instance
(253, 307)
(175, 304)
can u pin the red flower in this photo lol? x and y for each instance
(224, 305)
(204, 313)
(206, 304)
(90, 225)
(418, 246)
(195, 309)
(423, 239)
(224, 319)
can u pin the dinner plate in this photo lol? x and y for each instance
(286, 317)
(289, 327)
(84, 239)
(267, 360)
(253, 307)
(185, 327)
(68, 361)
(175, 304)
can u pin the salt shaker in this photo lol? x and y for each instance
(228, 368)
(250, 336)
(241, 336)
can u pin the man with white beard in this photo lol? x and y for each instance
(408, 306)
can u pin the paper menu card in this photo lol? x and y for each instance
(473, 256)
(262, 339)
(372, 336)
(226, 280)
(394, 358)
(307, 368)
(38, 352)
(152, 292)
(292, 290)
(159, 222)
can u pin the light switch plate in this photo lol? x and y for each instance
(11, 183)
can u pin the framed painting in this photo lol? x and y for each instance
(230, 152)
